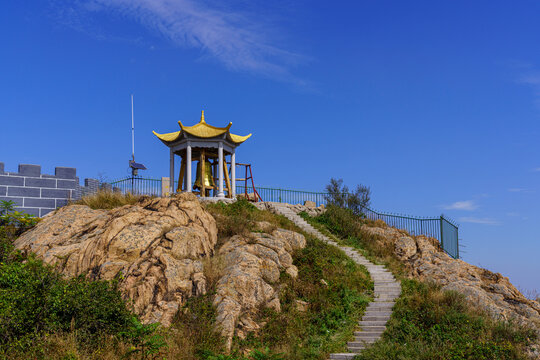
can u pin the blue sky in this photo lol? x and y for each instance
(433, 104)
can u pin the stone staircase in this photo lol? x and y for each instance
(387, 289)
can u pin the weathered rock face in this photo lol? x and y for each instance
(252, 265)
(156, 244)
(491, 291)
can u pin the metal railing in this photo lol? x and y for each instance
(441, 228)
(138, 185)
(285, 195)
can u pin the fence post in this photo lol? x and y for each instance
(442, 236)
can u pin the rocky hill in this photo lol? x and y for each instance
(425, 260)
(157, 249)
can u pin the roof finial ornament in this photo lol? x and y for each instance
(202, 116)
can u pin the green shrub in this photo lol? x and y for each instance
(339, 195)
(146, 342)
(14, 223)
(35, 300)
(253, 355)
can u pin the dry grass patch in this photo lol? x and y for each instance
(105, 199)
(213, 268)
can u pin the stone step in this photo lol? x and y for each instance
(381, 304)
(378, 311)
(368, 333)
(384, 312)
(381, 295)
(387, 292)
(361, 342)
(363, 323)
(364, 330)
(379, 290)
(342, 356)
(376, 318)
(356, 349)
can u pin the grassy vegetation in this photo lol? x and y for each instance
(427, 323)
(431, 324)
(347, 227)
(46, 316)
(42, 312)
(333, 309)
(106, 199)
(242, 217)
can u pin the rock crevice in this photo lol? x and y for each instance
(252, 265)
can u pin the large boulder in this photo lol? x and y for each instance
(252, 266)
(425, 260)
(153, 247)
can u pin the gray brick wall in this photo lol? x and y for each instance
(37, 193)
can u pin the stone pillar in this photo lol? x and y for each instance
(233, 173)
(214, 172)
(165, 186)
(221, 194)
(184, 183)
(171, 172)
(188, 167)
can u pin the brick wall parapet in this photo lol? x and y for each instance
(38, 194)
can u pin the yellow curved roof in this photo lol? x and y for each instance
(168, 137)
(202, 130)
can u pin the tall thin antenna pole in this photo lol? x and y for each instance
(132, 131)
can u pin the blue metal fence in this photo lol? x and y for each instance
(441, 228)
(138, 185)
(285, 195)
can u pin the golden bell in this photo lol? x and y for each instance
(208, 178)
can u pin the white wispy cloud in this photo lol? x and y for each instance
(475, 220)
(467, 205)
(241, 41)
(532, 79)
(537, 169)
(520, 190)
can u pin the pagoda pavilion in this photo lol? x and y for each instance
(204, 143)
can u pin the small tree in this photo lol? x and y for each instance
(340, 195)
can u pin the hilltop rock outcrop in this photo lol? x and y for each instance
(490, 291)
(252, 265)
(153, 247)
(157, 248)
